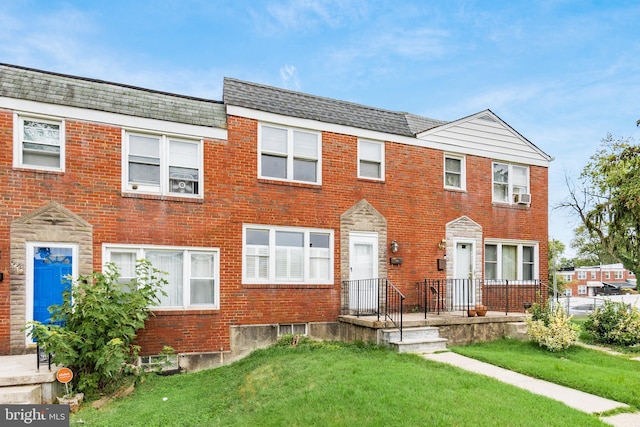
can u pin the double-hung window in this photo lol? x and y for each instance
(510, 183)
(39, 143)
(454, 172)
(289, 154)
(582, 289)
(510, 261)
(161, 164)
(618, 274)
(273, 255)
(371, 160)
(193, 274)
(582, 275)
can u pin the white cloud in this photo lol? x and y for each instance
(289, 75)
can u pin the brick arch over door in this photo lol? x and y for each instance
(52, 223)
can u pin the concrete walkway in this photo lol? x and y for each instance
(579, 400)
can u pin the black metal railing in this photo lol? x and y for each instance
(438, 295)
(395, 306)
(373, 297)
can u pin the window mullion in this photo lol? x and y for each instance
(186, 278)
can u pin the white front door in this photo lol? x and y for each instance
(464, 289)
(363, 267)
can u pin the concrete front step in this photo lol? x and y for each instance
(21, 394)
(517, 330)
(422, 332)
(426, 345)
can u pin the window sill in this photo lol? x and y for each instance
(157, 311)
(287, 286)
(455, 190)
(161, 197)
(38, 170)
(371, 180)
(290, 183)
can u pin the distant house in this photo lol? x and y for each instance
(598, 280)
(260, 207)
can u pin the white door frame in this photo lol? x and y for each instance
(29, 276)
(370, 292)
(459, 293)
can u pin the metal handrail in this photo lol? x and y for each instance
(395, 306)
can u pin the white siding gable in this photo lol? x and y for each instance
(485, 134)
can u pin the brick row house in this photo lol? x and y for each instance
(606, 279)
(259, 207)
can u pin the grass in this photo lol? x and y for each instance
(592, 371)
(331, 384)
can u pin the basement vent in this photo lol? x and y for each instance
(292, 329)
(159, 362)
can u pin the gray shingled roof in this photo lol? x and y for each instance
(60, 89)
(296, 104)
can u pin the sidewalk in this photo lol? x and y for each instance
(579, 400)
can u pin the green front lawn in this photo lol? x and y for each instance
(331, 384)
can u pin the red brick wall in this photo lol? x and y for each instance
(411, 199)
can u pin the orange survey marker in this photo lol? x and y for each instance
(64, 375)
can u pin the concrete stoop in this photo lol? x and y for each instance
(21, 395)
(424, 339)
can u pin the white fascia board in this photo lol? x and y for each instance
(112, 119)
(380, 136)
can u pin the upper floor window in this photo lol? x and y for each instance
(289, 154)
(371, 160)
(287, 255)
(454, 172)
(192, 273)
(607, 275)
(162, 164)
(582, 275)
(508, 261)
(510, 183)
(618, 274)
(39, 143)
(593, 274)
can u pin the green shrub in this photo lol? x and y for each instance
(95, 327)
(550, 327)
(614, 323)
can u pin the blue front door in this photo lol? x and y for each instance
(51, 266)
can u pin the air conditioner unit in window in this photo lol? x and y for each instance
(522, 198)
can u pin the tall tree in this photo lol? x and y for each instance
(589, 251)
(608, 202)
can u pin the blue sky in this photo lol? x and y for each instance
(562, 73)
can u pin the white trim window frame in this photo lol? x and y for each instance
(193, 273)
(39, 142)
(582, 289)
(455, 172)
(289, 154)
(507, 260)
(582, 275)
(508, 180)
(287, 255)
(162, 164)
(618, 274)
(371, 160)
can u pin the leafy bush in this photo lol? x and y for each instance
(550, 327)
(94, 329)
(614, 323)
